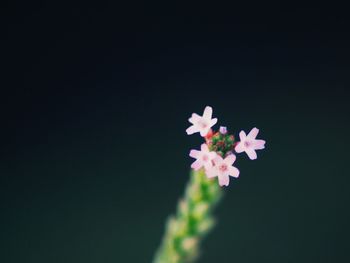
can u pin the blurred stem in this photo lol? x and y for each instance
(192, 221)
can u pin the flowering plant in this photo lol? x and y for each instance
(216, 157)
(217, 154)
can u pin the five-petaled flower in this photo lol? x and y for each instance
(249, 144)
(202, 124)
(223, 169)
(204, 158)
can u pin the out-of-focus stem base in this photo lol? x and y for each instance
(192, 221)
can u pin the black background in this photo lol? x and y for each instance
(94, 107)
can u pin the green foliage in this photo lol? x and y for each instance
(192, 221)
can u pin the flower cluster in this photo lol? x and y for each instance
(218, 154)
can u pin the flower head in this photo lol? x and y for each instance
(223, 169)
(217, 154)
(202, 124)
(249, 144)
(204, 158)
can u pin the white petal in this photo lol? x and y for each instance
(213, 122)
(191, 130)
(224, 180)
(233, 171)
(251, 154)
(242, 135)
(196, 165)
(253, 133)
(212, 155)
(204, 147)
(208, 112)
(204, 132)
(194, 153)
(208, 165)
(218, 159)
(211, 173)
(240, 147)
(259, 144)
(230, 159)
(195, 118)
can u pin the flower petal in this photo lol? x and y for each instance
(211, 173)
(213, 122)
(194, 153)
(208, 112)
(259, 144)
(191, 130)
(212, 155)
(230, 159)
(196, 165)
(204, 147)
(233, 171)
(194, 118)
(204, 132)
(242, 135)
(251, 154)
(208, 165)
(218, 159)
(224, 180)
(253, 133)
(239, 147)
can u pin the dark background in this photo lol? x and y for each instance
(94, 107)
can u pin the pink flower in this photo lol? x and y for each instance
(223, 169)
(204, 157)
(249, 144)
(202, 124)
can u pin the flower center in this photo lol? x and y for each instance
(202, 124)
(223, 167)
(205, 158)
(220, 143)
(247, 144)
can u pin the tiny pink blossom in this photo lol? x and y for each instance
(249, 144)
(223, 169)
(204, 158)
(223, 130)
(202, 124)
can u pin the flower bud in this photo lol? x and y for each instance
(223, 130)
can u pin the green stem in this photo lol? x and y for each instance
(192, 221)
